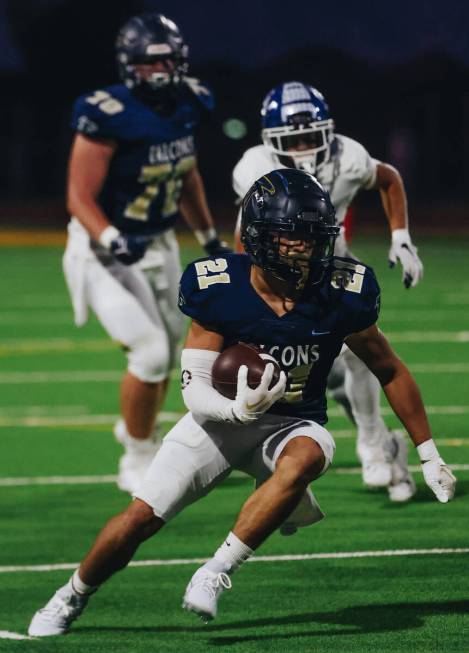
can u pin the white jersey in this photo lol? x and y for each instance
(349, 168)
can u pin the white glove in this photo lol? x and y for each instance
(405, 252)
(438, 476)
(251, 404)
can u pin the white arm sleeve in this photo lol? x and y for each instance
(199, 395)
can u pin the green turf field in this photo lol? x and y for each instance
(58, 401)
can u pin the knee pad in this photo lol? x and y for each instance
(149, 358)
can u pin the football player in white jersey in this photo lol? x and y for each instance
(299, 132)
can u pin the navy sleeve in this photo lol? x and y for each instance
(202, 93)
(360, 294)
(197, 301)
(93, 114)
(367, 308)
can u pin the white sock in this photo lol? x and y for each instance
(230, 555)
(136, 445)
(79, 587)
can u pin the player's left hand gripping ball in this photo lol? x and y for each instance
(217, 247)
(438, 476)
(128, 248)
(405, 252)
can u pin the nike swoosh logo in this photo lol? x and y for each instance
(320, 333)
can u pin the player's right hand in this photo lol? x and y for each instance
(403, 250)
(129, 248)
(440, 479)
(438, 476)
(250, 404)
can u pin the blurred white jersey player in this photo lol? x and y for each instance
(299, 132)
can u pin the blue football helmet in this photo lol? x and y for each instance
(146, 39)
(297, 127)
(292, 204)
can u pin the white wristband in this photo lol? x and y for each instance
(428, 451)
(204, 236)
(108, 235)
(198, 394)
(399, 236)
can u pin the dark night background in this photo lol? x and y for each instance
(396, 76)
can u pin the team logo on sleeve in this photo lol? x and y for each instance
(378, 304)
(86, 126)
(186, 378)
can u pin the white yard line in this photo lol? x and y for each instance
(106, 479)
(90, 420)
(12, 317)
(7, 634)
(73, 376)
(73, 420)
(339, 555)
(32, 345)
(17, 318)
(99, 376)
(428, 336)
(60, 345)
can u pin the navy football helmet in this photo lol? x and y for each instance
(297, 127)
(146, 39)
(292, 204)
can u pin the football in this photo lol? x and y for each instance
(226, 366)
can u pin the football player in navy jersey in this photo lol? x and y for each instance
(132, 172)
(292, 298)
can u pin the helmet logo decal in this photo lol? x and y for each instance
(266, 185)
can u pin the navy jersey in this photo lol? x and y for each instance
(217, 292)
(142, 189)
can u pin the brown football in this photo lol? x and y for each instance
(226, 366)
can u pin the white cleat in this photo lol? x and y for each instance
(56, 617)
(203, 592)
(402, 486)
(376, 464)
(136, 460)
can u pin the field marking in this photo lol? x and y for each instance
(428, 336)
(74, 376)
(400, 316)
(60, 345)
(339, 555)
(7, 634)
(32, 345)
(12, 317)
(99, 376)
(166, 416)
(105, 479)
(74, 420)
(17, 318)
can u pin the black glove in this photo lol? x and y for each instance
(129, 248)
(217, 247)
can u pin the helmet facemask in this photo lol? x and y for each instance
(156, 80)
(293, 264)
(313, 140)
